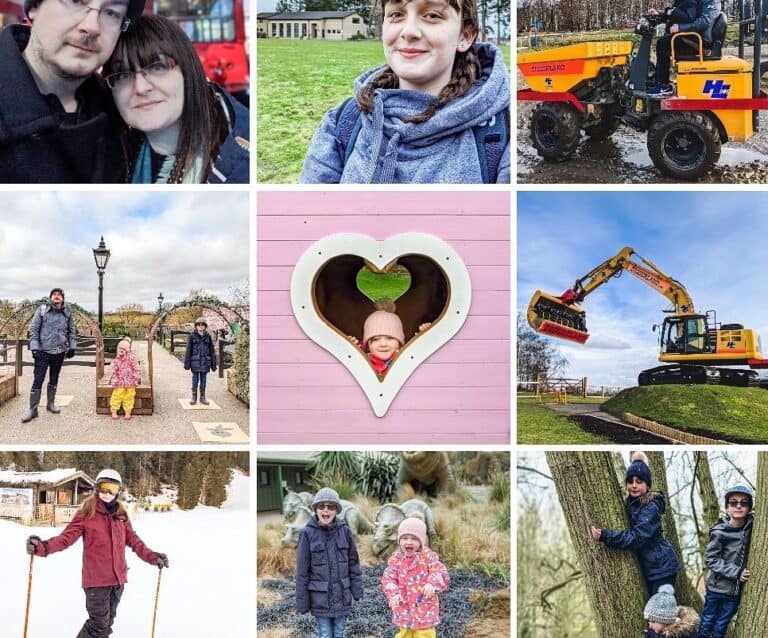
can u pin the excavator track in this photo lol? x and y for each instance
(698, 375)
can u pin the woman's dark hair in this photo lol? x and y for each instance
(466, 68)
(203, 123)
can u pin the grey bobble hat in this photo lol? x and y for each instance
(662, 606)
(326, 495)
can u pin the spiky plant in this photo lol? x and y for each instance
(378, 475)
(335, 467)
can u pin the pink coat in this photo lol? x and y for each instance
(407, 576)
(125, 372)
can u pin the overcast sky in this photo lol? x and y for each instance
(160, 242)
(712, 242)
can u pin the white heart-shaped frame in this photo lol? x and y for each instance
(380, 393)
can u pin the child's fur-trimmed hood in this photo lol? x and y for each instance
(687, 624)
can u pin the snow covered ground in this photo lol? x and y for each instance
(206, 592)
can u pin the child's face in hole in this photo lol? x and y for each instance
(326, 512)
(636, 487)
(383, 346)
(410, 544)
(421, 38)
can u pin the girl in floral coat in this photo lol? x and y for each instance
(411, 581)
(126, 375)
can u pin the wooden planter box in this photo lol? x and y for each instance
(7, 387)
(144, 404)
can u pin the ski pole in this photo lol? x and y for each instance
(29, 594)
(157, 596)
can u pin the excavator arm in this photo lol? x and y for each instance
(562, 317)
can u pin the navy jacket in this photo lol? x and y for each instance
(645, 537)
(328, 574)
(200, 355)
(35, 146)
(233, 161)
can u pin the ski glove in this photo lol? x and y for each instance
(161, 560)
(70, 353)
(32, 543)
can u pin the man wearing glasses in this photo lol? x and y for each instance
(57, 120)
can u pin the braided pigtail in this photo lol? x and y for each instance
(466, 68)
(385, 79)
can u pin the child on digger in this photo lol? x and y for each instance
(726, 558)
(126, 376)
(411, 581)
(645, 538)
(383, 336)
(103, 524)
(437, 112)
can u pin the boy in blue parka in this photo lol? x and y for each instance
(419, 114)
(726, 558)
(328, 574)
(645, 537)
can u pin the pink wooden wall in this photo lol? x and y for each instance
(459, 395)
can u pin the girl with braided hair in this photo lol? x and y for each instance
(437, 112)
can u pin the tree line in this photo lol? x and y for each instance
(201, 477)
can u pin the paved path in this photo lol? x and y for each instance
(584, 409)
(79, 424)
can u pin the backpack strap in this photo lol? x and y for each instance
(491, 138)
(348, 125)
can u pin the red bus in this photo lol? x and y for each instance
(217, 29)
(11, 12)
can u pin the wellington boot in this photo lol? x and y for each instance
(193, 400)
(51, 405)
(203, 400)
(34, 401)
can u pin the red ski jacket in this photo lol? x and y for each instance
(105, 537)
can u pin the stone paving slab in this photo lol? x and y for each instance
(215, 432)
(78, 423)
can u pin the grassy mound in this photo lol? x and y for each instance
(736, 414)
(538, 425)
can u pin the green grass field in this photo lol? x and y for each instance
(538, 425)
(297, 82)
(741, 413)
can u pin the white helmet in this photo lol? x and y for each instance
(110, 475)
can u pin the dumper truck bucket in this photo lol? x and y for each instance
(548, 315)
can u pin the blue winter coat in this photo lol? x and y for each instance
(328, 574)
(705, 18)
(52, 331)
(645, 537)
(232, 164)
(388, 150)
(200, 355)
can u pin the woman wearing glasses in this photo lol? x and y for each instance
(182, 129)
(103, 523)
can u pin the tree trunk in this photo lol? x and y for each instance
(684, 590)
(589, 495)
(708, 494)
(753, 610)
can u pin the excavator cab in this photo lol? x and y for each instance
(552, 316)
(688, 334)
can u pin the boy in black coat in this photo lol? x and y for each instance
(200, 357)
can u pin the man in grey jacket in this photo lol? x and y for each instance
(52, 337)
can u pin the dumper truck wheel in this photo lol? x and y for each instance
(684, 145)
(555, 131)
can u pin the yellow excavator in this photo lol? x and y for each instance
(689, 342)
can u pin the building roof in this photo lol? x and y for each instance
(52, 477)
(266, 14)
(311, 15)
(285, 457)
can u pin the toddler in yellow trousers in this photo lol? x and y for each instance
(126, 375)
(411, 581)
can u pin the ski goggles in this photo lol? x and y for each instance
(109, 488)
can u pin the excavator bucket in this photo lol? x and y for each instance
(548, 315)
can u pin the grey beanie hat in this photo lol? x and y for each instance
(326, 495)
(201, 320)
(662, 606)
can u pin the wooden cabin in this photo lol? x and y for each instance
(43, 498)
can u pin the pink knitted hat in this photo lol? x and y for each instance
(124, 343)
(383, 321)
(415, 527)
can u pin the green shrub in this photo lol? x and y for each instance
(378, 475)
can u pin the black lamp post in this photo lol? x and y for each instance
(160, 300)
(101, 257)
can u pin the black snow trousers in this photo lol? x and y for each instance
(101, 605)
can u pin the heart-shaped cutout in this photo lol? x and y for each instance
(391, 283)
(327, 320)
